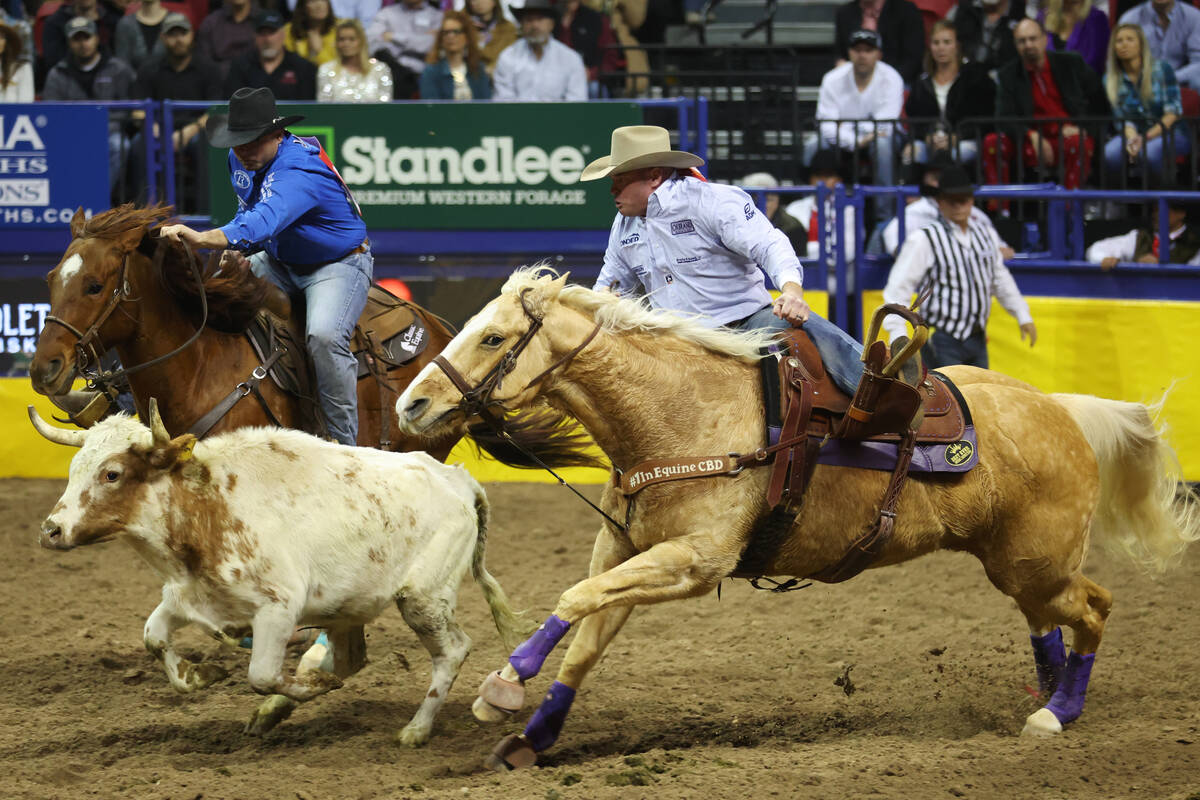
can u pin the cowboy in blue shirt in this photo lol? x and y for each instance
(293, 204)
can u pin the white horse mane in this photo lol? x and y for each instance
(618, 314)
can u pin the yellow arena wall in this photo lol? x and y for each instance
(1121, 349)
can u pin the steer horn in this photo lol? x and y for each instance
(56, 435)
(156, 424)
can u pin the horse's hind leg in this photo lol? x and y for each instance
(1083, 606)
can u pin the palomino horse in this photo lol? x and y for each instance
(153, 312)
(1053, 469)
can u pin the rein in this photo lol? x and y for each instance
(89, 348)
(477, 399)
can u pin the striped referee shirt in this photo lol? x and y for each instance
(965, 269)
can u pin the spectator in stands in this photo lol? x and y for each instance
(923, 210)
(538, 67)
(354, 77)
(88, 74)
(400, 36)
(311, 33)
(856, 96)
(1044, 84)
(271, 65)
(362, 10)
(180, 75)
(18, 21)
(454, 69)
(1146, 104)
(898, 24)
(590, 34)
(1141, 244)
(54, 36)
(824, 170)
(959, 259)
(16, 74)
(1080, 27)
(775, 213)
(227, 33)
(985, 29)
(701, 248)
(951, 89)
(1173, 33)
(139, 35)
(494, 30)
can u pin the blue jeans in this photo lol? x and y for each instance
(1152, 151)
(943, 350)
(841, 354)
(334, 297)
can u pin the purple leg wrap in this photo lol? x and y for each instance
(529, 656)
(546, 723)
(1067, 702)
(1050, 657)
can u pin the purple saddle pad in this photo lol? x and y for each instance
(960, 456)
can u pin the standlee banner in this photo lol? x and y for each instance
(53, 160)
(460, 166)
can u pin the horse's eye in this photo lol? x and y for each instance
(495, 340)
(95, 287)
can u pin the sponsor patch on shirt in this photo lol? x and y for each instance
(241, 179)
(632, 238)
(749, 209)
(682, 226)
(688, 260)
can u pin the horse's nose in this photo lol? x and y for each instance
(415, 409)
(44, 375)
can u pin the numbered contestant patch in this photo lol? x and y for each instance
(959, 453)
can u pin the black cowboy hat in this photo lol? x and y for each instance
(954, 180)
(251, 114)
(547, 8)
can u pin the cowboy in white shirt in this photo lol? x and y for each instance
(702, 248)
(1141, 244)
(863, 89)
(538, 67)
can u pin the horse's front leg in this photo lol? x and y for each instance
(672, 570)
(183, 674)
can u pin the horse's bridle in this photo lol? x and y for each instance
(89, 348)
(477, 399)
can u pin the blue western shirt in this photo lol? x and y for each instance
(1164, 98)
(698, 250)
(295, 207)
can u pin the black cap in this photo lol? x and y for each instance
(954, 180)
(547, 8)
(825, 162)
(864, 36)
(79, 25)
(269, 19)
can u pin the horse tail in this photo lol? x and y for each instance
(511, 624)
(1146, 510)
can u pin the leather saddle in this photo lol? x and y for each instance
(389, 334)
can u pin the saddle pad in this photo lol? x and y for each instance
(390, 329)
(958, 456)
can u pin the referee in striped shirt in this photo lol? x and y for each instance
(959, 258)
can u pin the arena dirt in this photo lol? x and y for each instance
(739, 697)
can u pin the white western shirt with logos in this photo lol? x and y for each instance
(701, 249)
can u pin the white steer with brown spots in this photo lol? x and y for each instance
(271, 529)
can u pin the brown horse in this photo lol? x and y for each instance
(1053, 471)
(110, 265)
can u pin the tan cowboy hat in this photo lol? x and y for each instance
(637, 146)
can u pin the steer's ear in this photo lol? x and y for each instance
(165, 455)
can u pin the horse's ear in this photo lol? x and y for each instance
(131, 238)
(556, 286)
(77, 223)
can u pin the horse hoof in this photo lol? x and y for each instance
(498, 698)
(513, 752)
(274, 710)
(1042, 723)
